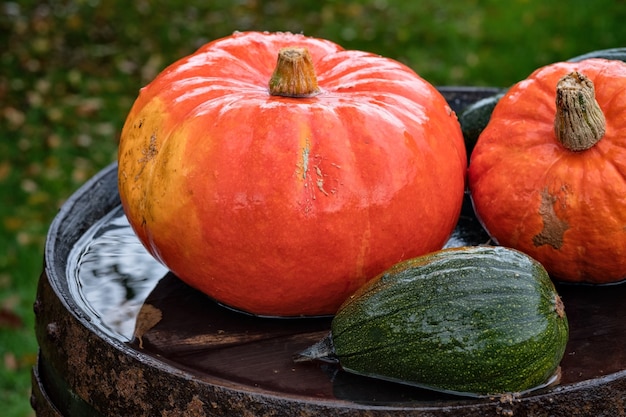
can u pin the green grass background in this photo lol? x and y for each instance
(70, 70)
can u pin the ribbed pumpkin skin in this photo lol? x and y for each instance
(525, 184)
(474, 321)
(284, 206)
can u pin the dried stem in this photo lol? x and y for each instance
(579, 122)
(294, 75)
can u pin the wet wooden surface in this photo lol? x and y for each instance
(207, 339)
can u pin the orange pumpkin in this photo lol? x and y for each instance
(548, 174)
(278, 187)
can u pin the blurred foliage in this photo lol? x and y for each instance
(72, 68)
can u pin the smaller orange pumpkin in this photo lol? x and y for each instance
(548, 173)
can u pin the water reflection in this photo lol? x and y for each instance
(112, 274)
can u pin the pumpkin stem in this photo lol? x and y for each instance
(579, 122)
(294, 75)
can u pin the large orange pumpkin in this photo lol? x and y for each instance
(548, 173)
(284, 202)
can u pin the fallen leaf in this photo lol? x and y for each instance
(15, 117)
(147, 318)
(9, 320)
(13, 223)
(5, 170)
(10, 362)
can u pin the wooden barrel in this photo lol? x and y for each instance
(188, 356)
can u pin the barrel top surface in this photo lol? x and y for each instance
(134, 306)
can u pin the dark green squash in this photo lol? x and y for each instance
(474, 321)
(474, 118)
(612, 53)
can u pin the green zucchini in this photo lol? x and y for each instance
(477, 321)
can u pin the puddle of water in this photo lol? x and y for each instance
(111, 274)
